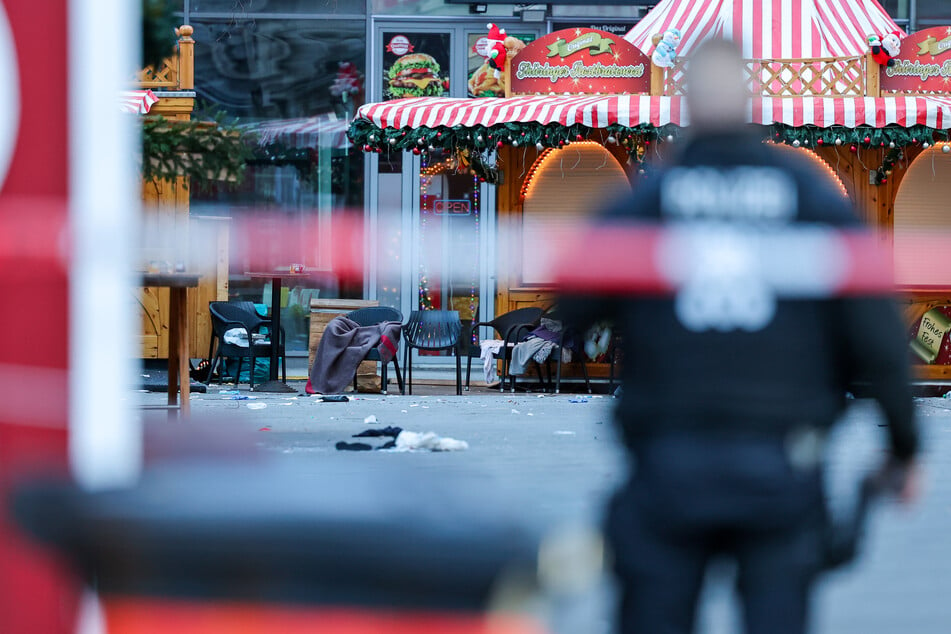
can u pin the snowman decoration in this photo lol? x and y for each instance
(665, 49)
(495, 49)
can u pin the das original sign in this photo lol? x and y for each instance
(924, 63)
(580, 61)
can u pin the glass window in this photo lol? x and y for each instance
(433, 7)
(303, 80)
(934, 10)
(278, 69)
(243, 7)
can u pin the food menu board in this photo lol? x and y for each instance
(481, 78)
(415, 64)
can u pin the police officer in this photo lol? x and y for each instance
(729, 391)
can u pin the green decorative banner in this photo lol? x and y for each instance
(596, 42)
(934, 46)
(931, 331)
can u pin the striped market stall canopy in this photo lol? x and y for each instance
(769, 29)
(643, 110)
(137, 101)
(311, 132)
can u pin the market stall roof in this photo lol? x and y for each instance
(769, 29)
(309, 132)
(137, 101)
(603, 111)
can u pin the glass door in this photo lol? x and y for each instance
(432, 223)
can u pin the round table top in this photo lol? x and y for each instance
(171, 280)
(285, 274)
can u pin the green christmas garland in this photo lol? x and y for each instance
(202, 151)
(479, 139)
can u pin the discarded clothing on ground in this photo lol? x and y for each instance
(344, 344)
(539, 345)
(488, 349)
(429, 441)
(404, 441)
(353, 446)
(387, 432)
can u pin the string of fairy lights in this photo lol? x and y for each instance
(427, 173)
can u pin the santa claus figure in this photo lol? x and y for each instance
(886, 48)
(495, 49)
(892, 44)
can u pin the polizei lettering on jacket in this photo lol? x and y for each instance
(740, 193)
(578, 70)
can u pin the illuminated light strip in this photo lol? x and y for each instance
(549, 154)
(530, 176)
(820, 162)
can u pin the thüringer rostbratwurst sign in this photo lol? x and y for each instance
(580, 61)
(924, 63)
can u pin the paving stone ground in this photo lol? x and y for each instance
(560, 459)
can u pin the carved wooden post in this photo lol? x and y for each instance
(508, 76)
(658, 76)
(658, 73)
(186, 57)
(872, 76)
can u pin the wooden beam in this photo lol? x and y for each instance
(186, 57)
(872, 76)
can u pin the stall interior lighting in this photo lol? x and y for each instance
(547, 156)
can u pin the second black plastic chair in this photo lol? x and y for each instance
(432, 330)
(508, 326)
(372, 316)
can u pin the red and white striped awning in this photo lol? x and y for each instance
(137, 101)
(635, 110)
(769, 29)
(311, 132)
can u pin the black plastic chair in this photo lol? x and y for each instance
(557, 354)
(228, 315)
(372, 316)
(507, 326)
(432, 330)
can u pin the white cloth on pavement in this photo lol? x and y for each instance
(488, 348)
(427, 441)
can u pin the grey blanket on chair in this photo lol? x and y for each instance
(344, 344)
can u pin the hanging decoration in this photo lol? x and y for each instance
(884, 172)
(665, 48)
(885, 49)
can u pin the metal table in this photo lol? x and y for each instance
(277, 279)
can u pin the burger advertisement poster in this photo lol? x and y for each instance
(415, 65)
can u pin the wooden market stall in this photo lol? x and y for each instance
(200, 243)
(818, 87)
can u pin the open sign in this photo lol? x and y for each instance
(452, 207)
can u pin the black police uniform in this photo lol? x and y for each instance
(725, 424)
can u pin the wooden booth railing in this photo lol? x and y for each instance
(803, 77)
(176, 72)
